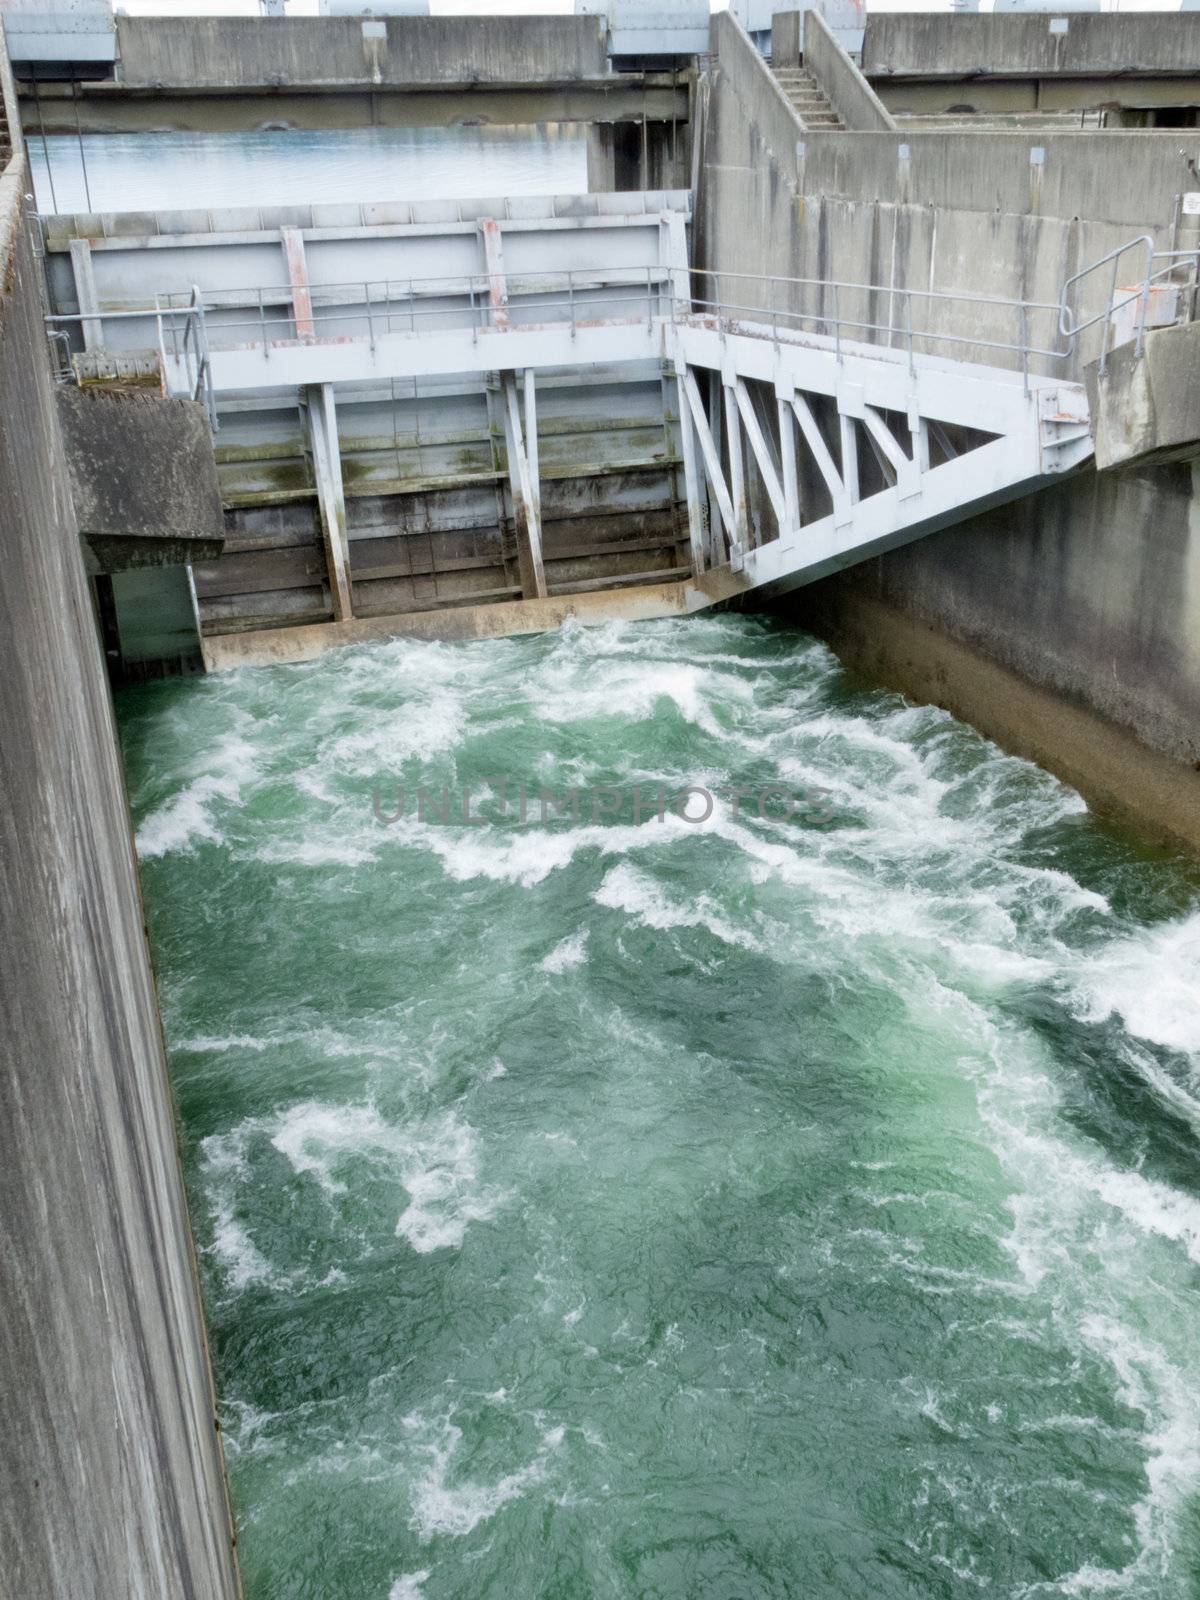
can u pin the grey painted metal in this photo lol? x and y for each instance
(525, 502)
(331, 495)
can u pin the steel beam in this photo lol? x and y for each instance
(525, 515)
(493, 253)
(761, 451)
(790, 525)
(691, 474)
(907, 470)
(825, 464)
(531, 443)
(737, 472)
(708, 450)
(331, 496)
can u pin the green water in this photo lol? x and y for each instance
(727, 1211)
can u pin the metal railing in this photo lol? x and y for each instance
(405, 305)
(191, 323)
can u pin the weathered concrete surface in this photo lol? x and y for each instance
(999, 214)
(1146, 409)
(1088, 593)
(249, 52)
(1089, 590)
(272, 646)
(1119, 777)
(111, 1476)
(847, 91)
(143, 478)
(1007, 45)
(109, 108)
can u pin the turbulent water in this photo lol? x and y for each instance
(753, 1207)
(159, 171)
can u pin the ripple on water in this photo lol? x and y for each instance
(799, 1162)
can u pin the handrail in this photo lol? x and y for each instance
(1066, 322)
(655, 289)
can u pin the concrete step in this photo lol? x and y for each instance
(807, 98)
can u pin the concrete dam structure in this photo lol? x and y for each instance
(879, 336)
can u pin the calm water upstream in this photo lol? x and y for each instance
(165, 171)
(757, 1209)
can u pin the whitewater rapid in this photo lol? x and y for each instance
(753, 1206)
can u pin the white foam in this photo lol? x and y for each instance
(408, 1586)
(633, 691)
(187, 818)
(441, 1508)
(436, 1160)
(316, 1137)
(626, 889)
(1151, 981)
(528, 856)
(428, 721)
(570, 952)
(315, 850)
(440, 1171)
(235, 1251)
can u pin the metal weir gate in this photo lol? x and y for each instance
(794, 440)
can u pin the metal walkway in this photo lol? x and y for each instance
(856, 447)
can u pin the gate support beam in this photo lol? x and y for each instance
(737, 470)
(493, 255)
(849, 447)
(908, 475)
(331, 497)
(525, 503)
(708, 449)
(825, 466)
(762, 453)
(787, 454)
(691, 472)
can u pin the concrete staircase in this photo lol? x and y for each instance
(808, 99)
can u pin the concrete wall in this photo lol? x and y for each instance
(1087, 594)
(111, 1476)
(931, 44)
(847, 91)
(143, 477)
(998, 214)
(244, 52)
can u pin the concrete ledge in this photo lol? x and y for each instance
(939, 45)
(1120, 778)
(143, 478)
(1146, 410)
(288, 52)
(277, 646)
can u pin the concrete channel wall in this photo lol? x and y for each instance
(305, 52)
(1010, 45)
(1087, 595)
(111, 1475)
